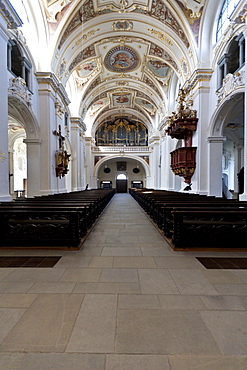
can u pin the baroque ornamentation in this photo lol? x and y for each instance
(17, 86)
(122, 25)
(160, 35)
(122, 59)
(230, 83)
(2, 156)
(84, 54)
(161, 53)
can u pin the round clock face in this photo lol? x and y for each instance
(136, 170)
(107, 170)
(122, 59)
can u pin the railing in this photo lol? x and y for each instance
(121, 149)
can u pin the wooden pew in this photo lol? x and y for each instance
(50, 221)
(216, 229)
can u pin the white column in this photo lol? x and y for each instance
(4, 165)
(33, 166)
(243, 196)
(154, 167)
(77, 144)
(215, 165)
(89, 165)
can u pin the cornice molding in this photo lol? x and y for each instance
(79, 122)
(9, 14)
(197, 76)
(51, 79)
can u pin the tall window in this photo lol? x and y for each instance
(225, 16)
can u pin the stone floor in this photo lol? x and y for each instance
(124, 301)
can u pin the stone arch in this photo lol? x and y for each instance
(223, 114)
(20, 110)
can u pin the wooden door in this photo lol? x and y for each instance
(121, 186)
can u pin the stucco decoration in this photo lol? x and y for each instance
(161, 53)
(84, 54)
(193, 17)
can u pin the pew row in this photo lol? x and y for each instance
(195, 222)
(51, 221)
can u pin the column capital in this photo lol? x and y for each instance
(216, 139)
(32, 141)
(77, 122)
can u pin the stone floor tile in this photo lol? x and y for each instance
(191, 362)
(121, 239)
(15, 287)
(177, 262)
(114, 232)
(94, 330)
(138, 362)
(150, 238)
(107, 288)
(74, 275)
(157, 251)
(223, 303)
(222, 277)
(126, 301)
(75, 260)
(122, 251)
(101, 262)
(4, 272)
(91, 251)
(17, 300)
(10, 361)
(26, 275)
(229, 329)
(181, 302)
(241, 274)
(52, 288)
(47, 324)
(96, 238)
(231, 289)
(118, 276)
(54, 361)
(9, 317)
(134, 262)
(192, 282)
(157, 282)
(163, 332)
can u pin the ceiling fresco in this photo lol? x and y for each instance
(124, 55)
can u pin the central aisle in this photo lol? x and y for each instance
(124, 301)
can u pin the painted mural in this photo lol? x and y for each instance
(122, 59)
(121, 99)
(84, 54)
(85, 69)
(159, 68)
(146, 105)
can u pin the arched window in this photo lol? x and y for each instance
(225, 16)
(121, 176)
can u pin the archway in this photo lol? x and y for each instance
(226, 146)
(22, 117)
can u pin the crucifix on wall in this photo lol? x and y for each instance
(62, 156)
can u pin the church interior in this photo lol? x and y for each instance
(123, 194)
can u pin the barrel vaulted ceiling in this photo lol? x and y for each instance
(123, 57)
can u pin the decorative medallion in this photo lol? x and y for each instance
(122, 25)
(136, 170)
(122, 59)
